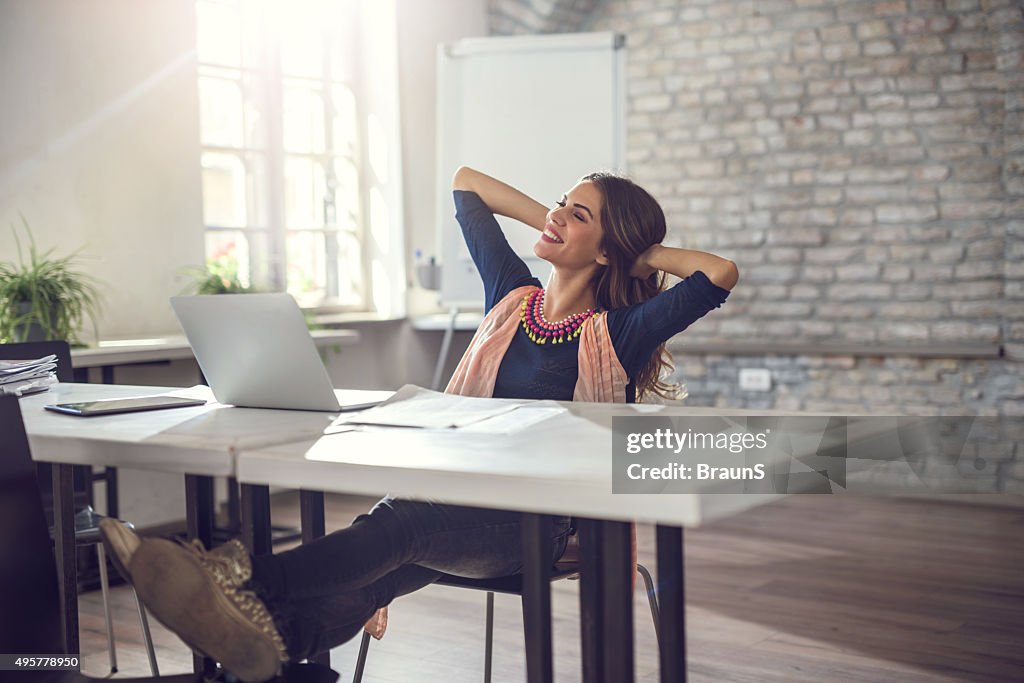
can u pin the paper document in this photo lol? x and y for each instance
(414, 406)
(523, 417)
(6, 365)
(20, 377)
(360, 399)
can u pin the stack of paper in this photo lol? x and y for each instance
(20, 377)
(413, 406)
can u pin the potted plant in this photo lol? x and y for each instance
(45, 296)
(220, 276)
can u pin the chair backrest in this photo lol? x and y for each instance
(65, 373)
(30, 350)
(29, 596)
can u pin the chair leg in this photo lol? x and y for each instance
(364, 649)
(150, 652)
(101, 557)
(489, 637)
(652, 598)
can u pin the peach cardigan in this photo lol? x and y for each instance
(601, 379)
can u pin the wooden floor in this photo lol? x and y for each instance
(811, 588)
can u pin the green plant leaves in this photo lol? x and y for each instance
(217, 277)
(45, 292)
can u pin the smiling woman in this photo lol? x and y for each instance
(596, 333)
(603, 240)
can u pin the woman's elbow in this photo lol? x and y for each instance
(461, 179)
(727, 276)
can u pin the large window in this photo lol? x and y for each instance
(288, 176)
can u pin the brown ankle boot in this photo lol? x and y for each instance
(199, 595)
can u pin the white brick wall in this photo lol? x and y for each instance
(862, 161)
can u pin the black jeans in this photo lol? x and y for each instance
(322, 593)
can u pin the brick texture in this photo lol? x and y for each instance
(863, 163)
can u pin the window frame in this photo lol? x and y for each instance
(267, 83)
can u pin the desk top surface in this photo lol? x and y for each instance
(195, 440)
(560, 466)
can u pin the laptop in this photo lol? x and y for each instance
(256, 352)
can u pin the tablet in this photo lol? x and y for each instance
(114, 406)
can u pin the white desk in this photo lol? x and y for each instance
(560, 466)
(199, 442)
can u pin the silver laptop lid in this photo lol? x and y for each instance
(256, 351)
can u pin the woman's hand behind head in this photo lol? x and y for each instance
(642, 268)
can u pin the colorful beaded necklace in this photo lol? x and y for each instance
(540, 330)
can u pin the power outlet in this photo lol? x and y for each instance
(755, 379)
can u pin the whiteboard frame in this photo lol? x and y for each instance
(447, 52)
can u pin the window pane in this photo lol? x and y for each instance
(380, 220)
(223, 190)
(257, 190)
(305, 193)
(342, 41)
(350, 270)
(227, 260)
(220, 111)
(303, 118)
(344, 128)
(346, 194)
(306, 267)
(302, 38)
(377, 144)
(255, 93)
(259, 259)
(256, 49)
(218, 39)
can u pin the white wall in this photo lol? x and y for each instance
(421, 27)
(99, 146)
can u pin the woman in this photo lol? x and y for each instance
(597, 332)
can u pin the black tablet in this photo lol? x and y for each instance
(113, 406)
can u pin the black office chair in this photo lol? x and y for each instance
(87, 531)
(512, 585)
(29, 596)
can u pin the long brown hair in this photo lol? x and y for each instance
(633, 221)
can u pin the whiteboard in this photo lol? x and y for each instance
(537, 112)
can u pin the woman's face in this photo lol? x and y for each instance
(573, 233)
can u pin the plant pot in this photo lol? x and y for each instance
(32, 330)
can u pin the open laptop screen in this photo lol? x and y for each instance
(256, 351)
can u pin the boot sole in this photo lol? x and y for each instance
(111, 532)
(182, 596)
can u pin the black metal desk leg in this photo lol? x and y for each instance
(67, 561)
(109, 473)
(256, 518)
(672, 604)
(199, 507)
(311, 507)
(591, 609)
(537, 597)
(617, 570)
(110, 478)
(199, 519)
